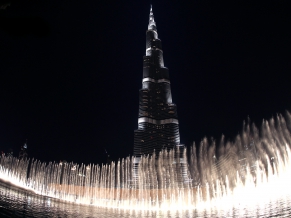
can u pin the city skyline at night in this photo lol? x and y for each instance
(70, 72)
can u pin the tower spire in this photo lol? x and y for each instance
(152, 23)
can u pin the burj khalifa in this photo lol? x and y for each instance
(158, 126)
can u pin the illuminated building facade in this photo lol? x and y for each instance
(158, 126)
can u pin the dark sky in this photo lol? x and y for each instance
(70, 71)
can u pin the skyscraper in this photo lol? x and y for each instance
(158, 126)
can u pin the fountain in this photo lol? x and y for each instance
(243, 177)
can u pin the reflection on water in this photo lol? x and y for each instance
(15, 202)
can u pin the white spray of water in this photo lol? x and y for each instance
(252, 171)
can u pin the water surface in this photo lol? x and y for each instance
(16, 202)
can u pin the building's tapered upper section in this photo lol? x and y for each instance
(157, 120)
(152, 23)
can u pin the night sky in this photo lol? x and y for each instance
(70, 71)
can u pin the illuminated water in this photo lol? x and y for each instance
(15, 202)
(250, 177)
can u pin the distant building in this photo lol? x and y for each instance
(10, 153)
(108, 158)
(23, 151)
